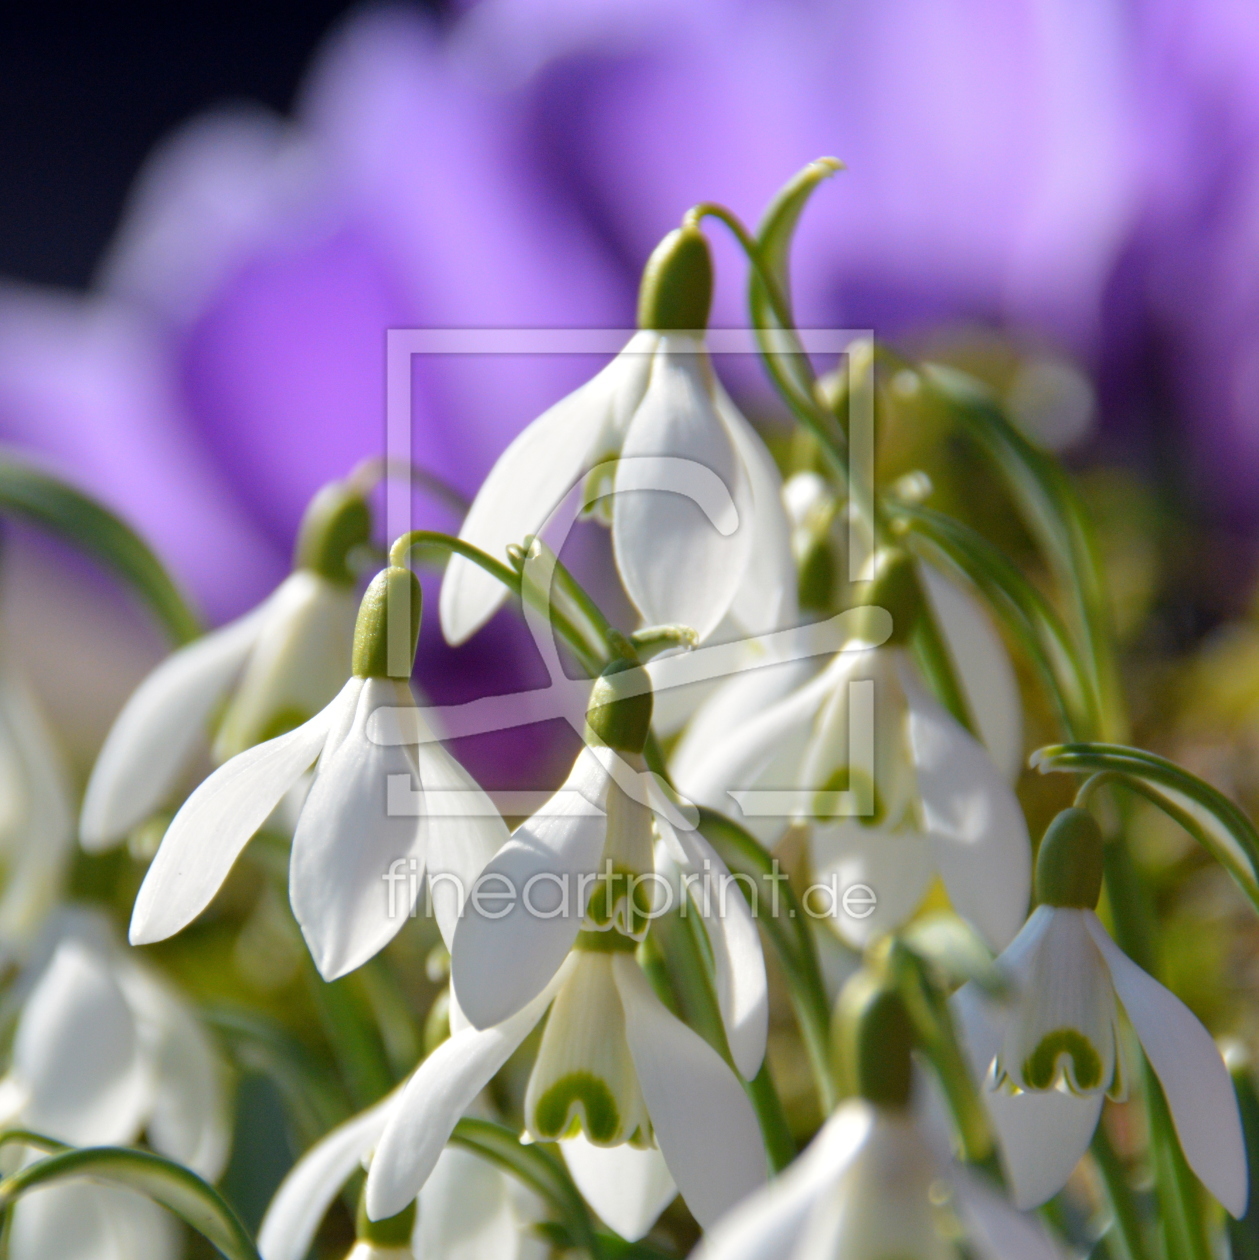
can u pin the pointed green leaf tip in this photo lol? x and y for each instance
(677, 289)
(895, 587)
(876, 1038)
(619, 712)
(337, 520)
(1069, 864)
(394, 598)
(393, 1231)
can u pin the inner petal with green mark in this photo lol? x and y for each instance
(1068, 1052)
(584, 1080)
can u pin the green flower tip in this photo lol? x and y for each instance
(896, 588)
(393, 1231)
(677, 288)
(877, 1040)
(337, 520)
(393, 598)
(619, 714)
(1069, 864)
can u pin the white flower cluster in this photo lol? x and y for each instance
(880, 781)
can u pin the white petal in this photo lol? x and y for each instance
(1041, 1136)
(764, 751)
(897, 867)
(41, 845)
(460, 844)
(994, 1230)
(217, 821)
(77, 1053)
(300, 660)
(739, 964)
(159, 728)
(739, 698)
(432, 1102)
(499, 964)
(677, 566)
(189, 1120)
(347, 843)
(767, 1225)
(984, 669)
(81, 1221)
(1188, 1065)
(703, 1122)
(629, 1187)
(532, 477)
(316, 1179)
(982, 847)
(766, 599)
(467, 1212)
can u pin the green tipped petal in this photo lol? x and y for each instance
(677, 289)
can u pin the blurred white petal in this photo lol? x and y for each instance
(627, 1185)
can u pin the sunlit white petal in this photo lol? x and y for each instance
(1189, 1067)
(628, 1186)
(532, 476)
(216, 822)
(347, 841)
(316, 1179)
(677, 567)
(982, 847)
(499, 964)
(703, 1122)
(158, 730)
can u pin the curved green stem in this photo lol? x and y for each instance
(370, 472)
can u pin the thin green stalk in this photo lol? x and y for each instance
(1127, 1226)
(936, 662)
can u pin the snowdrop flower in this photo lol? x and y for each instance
(281, 663)
(467, 1210)
(358, 837)
(871, 1184)
(658, 398)
(658, 1107)
(924, 800)
(104, 1051)
(36, 814)
(1050, 1056)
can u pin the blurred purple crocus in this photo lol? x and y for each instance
(1086, 172)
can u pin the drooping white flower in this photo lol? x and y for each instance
(104, 1052)
(614, 1065)
(874, 1184)
(1049, 1056)
(387, 805)
(467, 1210)
(278, 665)
(36, 814)
(712, 540)
(893, 789)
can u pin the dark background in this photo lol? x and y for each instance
(85, 93)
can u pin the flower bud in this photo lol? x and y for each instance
(393, 592)
(877, 1040)
(336, 521)
(677, 287)
(619, 712)
(1069, 866)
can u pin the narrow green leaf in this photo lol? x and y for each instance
(175, 1188)
(1205, 813)
(36, 496)
(1053, 511)
(1243, 1235)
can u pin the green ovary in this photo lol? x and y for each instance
(1041, 1067)
(576, 1101)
